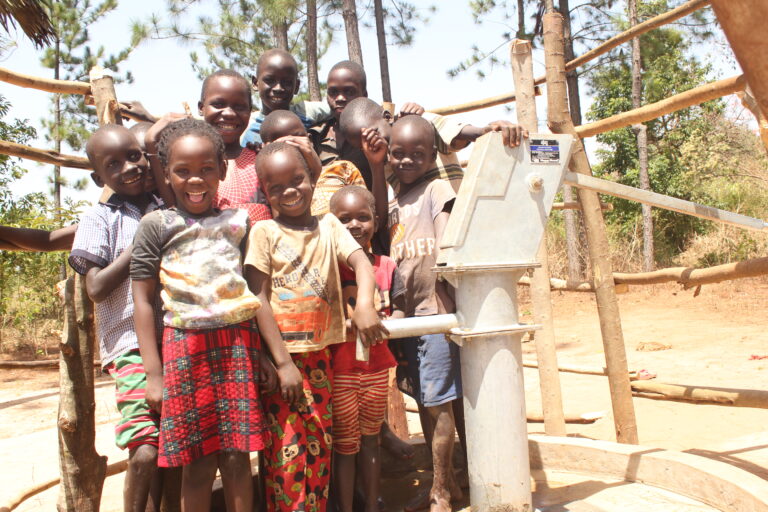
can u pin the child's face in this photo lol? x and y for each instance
(288, 186)
(411, 152)
(194, 171)
(277, 83)
(119, 163)
(227, 107)
(343, 87)
(139, 131)
(355, 213)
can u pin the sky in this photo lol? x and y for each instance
(163, 76)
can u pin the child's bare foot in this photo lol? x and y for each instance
(439, 504)
(427, 500)
(396, 446)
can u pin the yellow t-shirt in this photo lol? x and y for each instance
(303, 264)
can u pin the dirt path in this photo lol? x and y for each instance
(711, 339)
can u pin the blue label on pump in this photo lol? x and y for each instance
(545, 151)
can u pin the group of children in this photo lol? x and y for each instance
(235, 262)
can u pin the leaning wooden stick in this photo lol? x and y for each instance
(559, 121)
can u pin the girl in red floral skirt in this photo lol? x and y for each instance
(207, 384)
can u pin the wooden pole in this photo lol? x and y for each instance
(742, 23)
(549, 378)
(501, 99)
(575, 205)
(44, 84)
(648, 25)
(103, 87)
(674, 103)
(692, 277)
(82, 469)
(45, 156)
(755, 398)
(559, 121)
(666, 202)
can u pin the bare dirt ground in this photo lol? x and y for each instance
(711, 338)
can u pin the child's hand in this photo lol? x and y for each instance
(137, 111)
(153, 134)
(374, 146)
(153, 394)
(291, 388)
(410, 109)
(368, 324)
(307, 150)
(511, 134)
(267, 375)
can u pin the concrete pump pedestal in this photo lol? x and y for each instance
(582, 475)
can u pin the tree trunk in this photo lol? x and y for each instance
(381, 36)
(641, 134)
(314, 80)
(280, 32)
(574, 230)
(521, 20)
(82, 469)
(57, 147)
(353, 35)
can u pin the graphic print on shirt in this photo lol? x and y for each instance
(307, 310)
(417, 247)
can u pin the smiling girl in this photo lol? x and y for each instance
(206, 386)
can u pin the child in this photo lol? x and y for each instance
(292, 264)
(450, 136)
(277, 81)
(102, 252)
(206, 387)
(429, 368)
(360, 388)
(225, 104)
(334, 176)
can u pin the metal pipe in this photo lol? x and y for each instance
(420, 325)
(666, 202)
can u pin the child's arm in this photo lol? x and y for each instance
(365, 317)
(144, 321)
(287, 373)
(100, 282)
(446, 302)
(25, 239)
(511, 134)
(375, 150)
(151, 139)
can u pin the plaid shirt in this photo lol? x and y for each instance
(241, 188)
(103, 234)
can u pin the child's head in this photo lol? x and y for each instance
(225, 104)
(117, 159)
(355, 207)
(192, 154)
(364, 113)
(288, 182)
(280, 123)
(412, 148)
(277, 80)
(139, 130)
(346, 81)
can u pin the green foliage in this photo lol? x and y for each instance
(692, 153)
(71, 57)
(27, 279)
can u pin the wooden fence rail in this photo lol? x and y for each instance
(45, 156)
(44, 84)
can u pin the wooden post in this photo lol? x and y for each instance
(549, 378)
(82, 469)
(742, 23)
(559, 121)
(103, 89)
